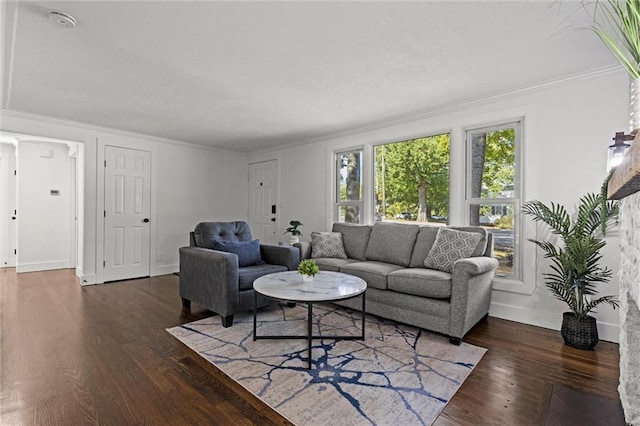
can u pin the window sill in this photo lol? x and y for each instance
(513, 286)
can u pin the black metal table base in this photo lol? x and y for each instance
(309, 336)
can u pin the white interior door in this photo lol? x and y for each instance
(127, 204)
(263, 195)
(4, 214)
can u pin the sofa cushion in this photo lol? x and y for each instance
(354, 238)
(374, 273)
(450, 245)
(481, 247)
(332, 263)
(327, 244)
(421, 282)
(248, 251)
(424, 241)
(206, 232)
(248, 274)
(392, 243)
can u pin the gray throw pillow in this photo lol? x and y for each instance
(327, 244)
(450, 245)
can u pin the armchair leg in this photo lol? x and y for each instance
(186, 304)
(455, 340)
(227, 321)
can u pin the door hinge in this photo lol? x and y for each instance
(104, 263)
(105, 163)
(105, 213)
(15, 173)
(15, 251)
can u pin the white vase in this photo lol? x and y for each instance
(307, 278)
(294, 239)
(634, 106)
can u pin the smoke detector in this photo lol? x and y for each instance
(62, 19)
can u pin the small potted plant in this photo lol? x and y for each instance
(294, 231)
(308, 268)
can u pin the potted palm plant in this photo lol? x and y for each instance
(617, 24)
(575, 263)
(294, 231)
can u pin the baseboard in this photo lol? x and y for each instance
(551, 320)
(164, 270)
(41, 266)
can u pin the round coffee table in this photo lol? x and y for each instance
(326, 287)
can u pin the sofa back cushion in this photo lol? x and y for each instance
(424, 242)
(392, 243)
(206, 232)
(354, 238)
(248, 252)
(427, 236)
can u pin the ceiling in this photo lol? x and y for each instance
(249, 76)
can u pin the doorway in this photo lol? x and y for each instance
(263, 196)
(127, 208)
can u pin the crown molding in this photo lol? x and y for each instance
(111, 131)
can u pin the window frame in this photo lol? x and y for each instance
(337, 179)
(518, 124)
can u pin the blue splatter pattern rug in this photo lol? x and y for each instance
(398, 375)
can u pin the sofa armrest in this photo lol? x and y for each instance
(471, 286)
(476, 265)
(210, 278)
(305, 249)
(280, 255)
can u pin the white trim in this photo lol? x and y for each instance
(545, 319)
(41, 266)
(114, 132)
(165, 270)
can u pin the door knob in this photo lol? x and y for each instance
(145, 220)
(13, 218)
(273, 219)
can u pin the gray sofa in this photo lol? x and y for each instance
(390, 258)
(215, 279)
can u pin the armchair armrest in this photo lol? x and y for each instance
(280, 255)
(210, 278)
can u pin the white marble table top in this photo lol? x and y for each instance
(325, 286)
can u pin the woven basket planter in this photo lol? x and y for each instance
(579, 333)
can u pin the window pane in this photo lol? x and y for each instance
(349, 214)
(412, 180)
(349, 173)
(499, 220)
(493, 168)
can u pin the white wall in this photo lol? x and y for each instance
(189, 184)
(43, 221)
(568, 128)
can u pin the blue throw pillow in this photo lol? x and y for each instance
(248, 251)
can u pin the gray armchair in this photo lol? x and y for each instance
(214, 279)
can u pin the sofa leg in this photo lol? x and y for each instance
(455, 340)
(291, 304)
(227, 321)
(186, 304)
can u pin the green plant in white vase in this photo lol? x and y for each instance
(617, 24)
(294, 231)
(308, 268)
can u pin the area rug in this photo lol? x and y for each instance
(398, 375)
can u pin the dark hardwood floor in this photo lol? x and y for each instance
(73, 355)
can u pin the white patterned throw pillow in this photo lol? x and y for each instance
(327, 244)
(450, 245)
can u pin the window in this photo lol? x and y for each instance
(349, 186)
(412, 180)
(493, 190)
